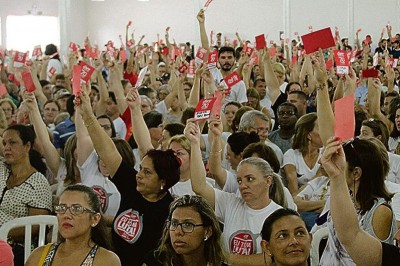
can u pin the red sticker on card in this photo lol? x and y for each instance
(342, 62)
(129, 225)
(19, 59)
(200, 55)
(52, 71)
(242, 242)
(231, 80)
(212, 59)
(86, 72)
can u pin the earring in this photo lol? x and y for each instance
(205, 237)
(93, 225)
(162, 187)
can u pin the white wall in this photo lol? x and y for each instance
(106, 20)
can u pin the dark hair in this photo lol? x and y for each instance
(238, 105)
(60, 76)
(99, 233)
(44, 82)
(50, 50)
(27, 134)
(300, 94)
(304, 125)
(166, 164)
(113, 131)
(124, 149)
(287, 88)
(70, 162)
(360, 115)
(146, 91)
(266, 230)
(225, 49)
(71, 105)
(288, 104)
(374, 163)
(153, 119)
(378, 128)
(238, 141)
(257, 80)
(213, 248)
(111, 95)
(393, 107)
(186, 114)
(174, 129)
(263, 151)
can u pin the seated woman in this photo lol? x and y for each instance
(191, 236)
(84, 238)
(242, 216)
(145, 199)
(24, 190)
(285, 239)
(300, 164)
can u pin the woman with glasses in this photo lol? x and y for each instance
(82, 230)
(145, 199)
(242, 216)
(191, 235)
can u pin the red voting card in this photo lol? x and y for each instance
(165, 51)
(73, 46)
(231, 80)
(3, 89)
(318, 39)
(76, 79)
(191, 69)
(86, 72)
(260, 42)
(216, 110)
(370, 73)
(342, 62)
(28, 81)
(201, 53)
(272, 51)
(344, 118)
(129, 44)
(203, 108)
(122, 55)
(248, 49)
(182, 68)
(129, 23)
(329, 64)
(212, 59)
(19, 59)
(37, 51)
(207, 4)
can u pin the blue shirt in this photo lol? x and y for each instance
(361, 93)
(62, 132)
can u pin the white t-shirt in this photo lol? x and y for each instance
(316, 189)
(304, 173)
(185, 187)
(238, 93)
(161, 107)
(394, 171)
(393, 142)
(56, 64)
(242, 225)
(232, 186)
(106, 190)
(120, 127)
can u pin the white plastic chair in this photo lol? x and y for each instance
(42, 220)
(317, 237)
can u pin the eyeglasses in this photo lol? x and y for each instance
(106, 127)
(282, 113)
(186, 227)
(260, 129)
(75, 209)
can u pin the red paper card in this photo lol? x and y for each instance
(344, 118)
(3, 89)
(342, 62)
(260, 42)
(318, 39)
(165, 51)
(201, 53)
(207, 4)
(203, 108)
(28, 81)
(129, 23)
(212, 59)
(216, 110)
(142, 75)
(76, 79)
(19, 59)
(272, 51)
(370, 73)
(86, 72)
(73, 46)
(191, 70)
(248, 49)
(231, 80)
(37, 51)
(182, 68)
(129, 44)
(329, 64)
(122, 55)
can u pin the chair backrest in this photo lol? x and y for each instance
(42, 220)
(316, 240)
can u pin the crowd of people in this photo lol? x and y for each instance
(135, 179)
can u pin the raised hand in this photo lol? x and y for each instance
(133, 99)
(333, 159)
(215, 126)
(192, 131)
(200, 16)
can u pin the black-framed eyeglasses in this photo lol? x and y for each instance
(75, 209)
(186, 227)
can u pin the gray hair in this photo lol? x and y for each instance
(276, 190)
(248, 118)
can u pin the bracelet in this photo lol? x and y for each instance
(89, 122)
(216, 152)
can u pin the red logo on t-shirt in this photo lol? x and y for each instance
(242, 242)
(129, 225)
(103, 196)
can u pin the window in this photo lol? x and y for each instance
(25, 32)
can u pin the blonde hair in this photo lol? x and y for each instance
(181, 140)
